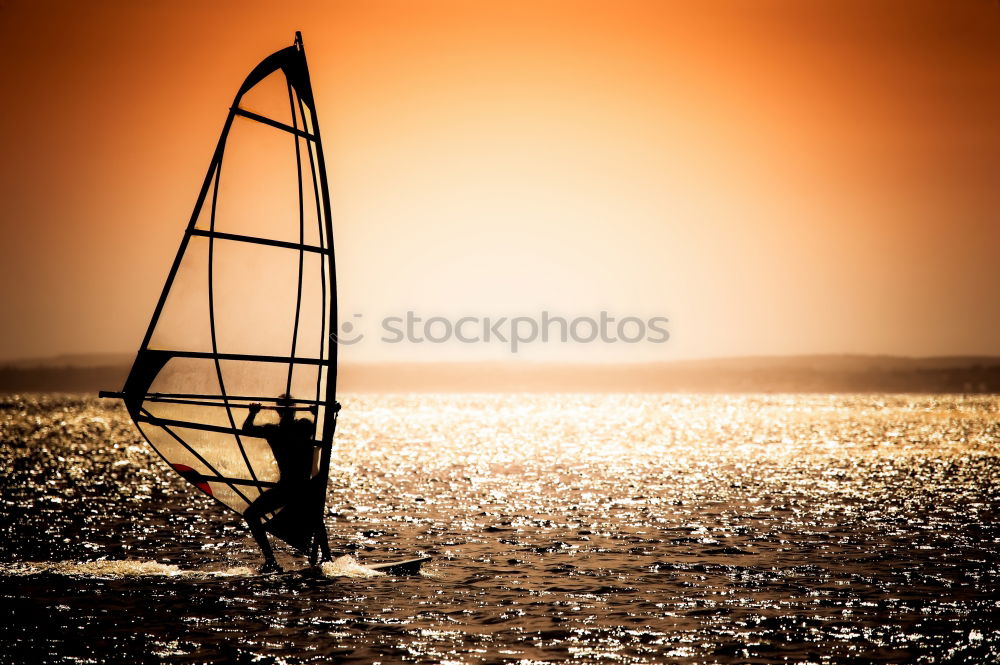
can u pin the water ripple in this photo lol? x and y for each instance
(602, 529)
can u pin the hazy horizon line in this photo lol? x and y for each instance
(119, 357)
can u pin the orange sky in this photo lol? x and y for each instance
(774, 177)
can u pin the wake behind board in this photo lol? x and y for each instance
(348, 566)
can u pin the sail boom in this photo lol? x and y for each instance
(273, 123)
(258, 241)
(153, 397)
(219, 404)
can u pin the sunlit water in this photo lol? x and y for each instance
(591, 529)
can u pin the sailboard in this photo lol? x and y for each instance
(248, 311)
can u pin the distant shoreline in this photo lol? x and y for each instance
(775, 374)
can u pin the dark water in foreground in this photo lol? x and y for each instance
(591, 529)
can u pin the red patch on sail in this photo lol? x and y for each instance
(193, 477)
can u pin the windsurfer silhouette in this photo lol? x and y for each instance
(291, 442)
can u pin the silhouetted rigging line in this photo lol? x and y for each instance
(302, 241)
(221, 235)
(211, 319)
(273, 123)
(329, 423)
(323, 241)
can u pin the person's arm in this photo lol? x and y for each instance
(308, 425)
(248, 427)
(307, 430)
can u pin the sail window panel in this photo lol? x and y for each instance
(228, 496)
(269, 98)
(258, 452)
(321, 385)
(258, 190)
(195, 380)
(223, 452)
(183, 323)
(306, 121)
(313, 232)
(188, 388)
(173, 451)
(183, 460)
(312, 330)
(255, 378)
(255, 290)
(186, 376)
(303, 386)
(176, 409)
(311, 195)
(219, 450)
(269, 380)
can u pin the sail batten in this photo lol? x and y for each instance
(250, 115)
(298, 296)
(245, 311)
(222, 235)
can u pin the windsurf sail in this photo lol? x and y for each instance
(249, 308)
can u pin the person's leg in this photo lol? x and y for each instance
(267, 502)
(324, 542)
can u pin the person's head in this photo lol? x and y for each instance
(283, 405)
